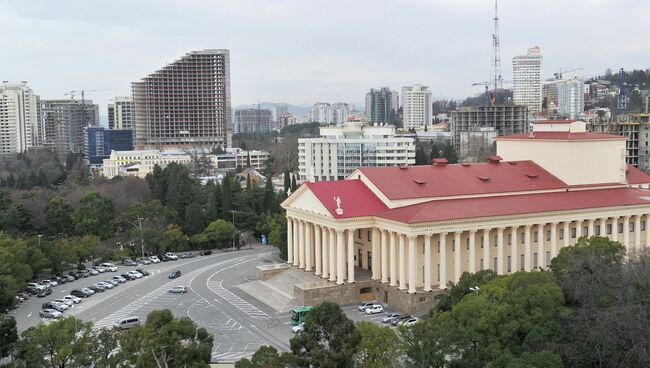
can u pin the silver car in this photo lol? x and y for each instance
(49, 313)
(69, 303)
(178, 290)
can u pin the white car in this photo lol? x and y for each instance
(72, 298)
(178, 290)
(69, 303)
(49, 313)
(105, 284)
(98, 269)
(88, 291)
(135, 274)
(49, 283)
(374, 309)
(119, 279)
(363, 306)
(144, 261)
(409, 322)
(154, 259)
(93, 271)
(171, 256)
(108, 267)
(299, 328)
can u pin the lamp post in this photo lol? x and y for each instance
(141, 235)
(475, 289)
(233, 233)
(39, 239)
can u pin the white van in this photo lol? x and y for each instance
(126, 323)
(108, 267)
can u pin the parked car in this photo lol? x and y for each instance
(97, 288)
(118, 279)
(85, 273)
(134, 274)
(106, 285)
(126, 323)
(171, 256)
(24, 295)
(144, 260)
(175, 274)
(143, 272)
(54, 305)
(34, 287)
(69, 303)
(397, 321)
(409, 322)
(206, 252)
(128, 276)
(72, 298)
(93, 272)
(112, 282)
(299, 328)
(98, 269)
(374, 309)
(178, 290)
(44, 292)
(59, 280)
(70, 278)
(188, 255)
(74, 274)
(80, 293)
(163, 258)
(50, 313)
(390, 317)
(130, 262)
(154, 259)
(49, 283)
(88, 290)
(107, 266)
(363, 306)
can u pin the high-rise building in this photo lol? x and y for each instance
(527, 80)
(253, 120)
(506, 120)
(186, 103)
(571, 98)
(340, 112)
(286, 120)
(99, 142)
(279, 110)
(322, 113)
(121, 114)
(341, 149)
(19, 118)
(416, 106)
(64, 121)
(382, 105)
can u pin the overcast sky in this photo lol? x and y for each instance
(302, 51)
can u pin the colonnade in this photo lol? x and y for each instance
(398, 257)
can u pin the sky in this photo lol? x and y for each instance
(303, 51)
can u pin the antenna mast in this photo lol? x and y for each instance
(496, 57)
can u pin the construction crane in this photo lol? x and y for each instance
(83, 101)
(621, 104)
(487, 95)
(560, 74)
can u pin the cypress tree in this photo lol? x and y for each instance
(287, 180)
(248, 181)
(226, 188)
(294, 186)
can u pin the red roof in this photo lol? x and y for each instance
(460, 179)
(452, 209)
(554, 122)
(562, 136)
(356, 199)
(636, 176)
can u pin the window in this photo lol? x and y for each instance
(359, 233)
(585, 231)
(561, 234)
(609, 229)
(523, 239)
(642, 225)
(496, 240)
(548, 235)
(482, 264)
(620, 228)
(438, 246)
(482, 241)
(535, 236)
(631, 227)
(453, 245)
(438, 277)
(573, 232)
(534, 260)
(495, 264)
(521, 262)
(509, 239)
(509, 264)
(597, 230)
(467, 243)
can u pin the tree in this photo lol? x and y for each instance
(8, 335)
(420, 156)
(457, 291)
(268, 357)
(277, 233)
(165, 341)
(220, 233)
(84, 247)
(194, 219)
(287, 180)
(58, 216)
(16, 220)
(95, 216)
(174, 239)
(330, 338)
(379, 347)
(226, 204)
(270, 204)
(294, 186)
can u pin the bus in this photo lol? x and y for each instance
(298, 314)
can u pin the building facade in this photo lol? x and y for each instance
(100, 142)
(634, 127)
(404, 234)
(121, 114)
(527, 80)
(416, 107)
(506, 120)
(287, 119)
(63, 123)
(477, 144)
(253, 121)
(326, 113)
(235, 158)
(571, 98)
(382, 105)
(20, 124)
(342, 149)
(186, 103)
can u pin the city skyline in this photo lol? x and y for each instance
(448, 46)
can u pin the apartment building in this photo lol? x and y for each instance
(121, 114)
(571, 98)
(506, 120)
(253, 120)
(634, 127)
(382, 105)
(186, 103)
(99, 142)
(326, 113)
(527, 80)
(235, 158)
(20, 125)
(416, 107)
(63, 123)
(339, 150)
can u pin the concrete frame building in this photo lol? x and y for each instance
(20, 123)
(186, 103)
(634, 127)
(403, 234)
(416, 107)
(382, 105)
(121, 114)
(63, 123)
(527, 80)
(342, 149)
(253, 120)
(506, 120)
(571, 98)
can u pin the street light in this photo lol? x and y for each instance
(233, 233)
(39, 239)
(141, 235)
(476, 289)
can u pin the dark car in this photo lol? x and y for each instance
(188, 255)
(79, 293)
(97, 288)
(206, 252)
(163, 258)
(59, 280)
(175, 274)
(143, 272)
(396, 321)
(74, 275)
(127, 276)
(44, 292)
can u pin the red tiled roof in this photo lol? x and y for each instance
(636, 176)
(356, 199)
(554, 122)
(452, 209)
(460, 179)
(562, 136)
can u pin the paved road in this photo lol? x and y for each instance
(240, 323)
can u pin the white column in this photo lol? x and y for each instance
(603, 227)
(553, 239)
(637, 232)
(351, 250)
(457, 251)
(340, 256)
(412, 269)
(528, 254)
(384, 256)
(578, 229)
(333, 258)
(472, 251)
(500, 252)
(443, 261)
(626, 233)
(427, 262)
(647, 231)
(296, 242)
(376, 257)
(325, 251)
(317, 250)
(590, 227)
(289, 240)
(308, 245)
(402, 263)
(514, 257)
(393, 260)
(567, 233)
(540, 246)
(486, 250)
(301, 243)
(615, 228)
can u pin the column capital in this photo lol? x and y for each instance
(339, 231)
(411, 236)
(591, 221)
(444, 233)
(627, 217)
(501, 228)
(527, 227)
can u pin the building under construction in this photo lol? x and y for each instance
(506, 120)
(63, 123)
(636, 128)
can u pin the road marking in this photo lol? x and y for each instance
(29, 314)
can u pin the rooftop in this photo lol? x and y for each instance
(356, 199)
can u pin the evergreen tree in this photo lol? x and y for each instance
(294, 186)
(269, 196)
(248, 181)
(248, 159)
(42, 179)
(11, 180)
(226, 188)
(32, 180)
(287, 180)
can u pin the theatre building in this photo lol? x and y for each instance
(402, 234)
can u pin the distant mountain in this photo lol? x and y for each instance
(296, 110)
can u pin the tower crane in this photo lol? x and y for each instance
(83, 102)
(487, 95)
(560, 74)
